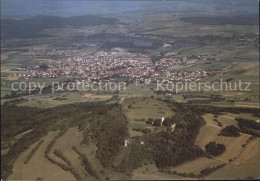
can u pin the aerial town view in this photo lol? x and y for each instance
(130, 90)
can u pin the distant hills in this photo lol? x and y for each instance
(29, 28)
(251, 19)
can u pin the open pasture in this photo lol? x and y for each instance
(138, 110)
(52, 100)
(144, 108)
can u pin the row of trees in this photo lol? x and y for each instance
(89, 169)
(210, 170)
(61, 156)
(68, 166)
(28, 158)
(205, 172)
(49, 148)
(143, 130)
(217, 121)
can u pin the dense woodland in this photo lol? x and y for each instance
(249, 127)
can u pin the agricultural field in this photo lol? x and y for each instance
(235, 172)
(227, 120)
(245, 165)
(250, 155)
(207, 133)
(144, 108)
(52, 100)
(240, 153)
(196, 166)
(233, 146)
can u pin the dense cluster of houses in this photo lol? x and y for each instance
(54, 52)
(250, 37)
(117, 63)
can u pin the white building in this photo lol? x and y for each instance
(162, 121)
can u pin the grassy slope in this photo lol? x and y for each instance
(38, 166)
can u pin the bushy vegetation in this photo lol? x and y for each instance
(89, 169)
(169, 121)
(215, 149)
(210, 170)
(144, 130)
(203, 173)
(230, 131)
(219, 123)
(157, 122)
(149, 121)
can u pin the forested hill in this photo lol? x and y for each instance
(29, 28)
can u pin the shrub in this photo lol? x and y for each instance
(149, 121)
(215, 149)
(157, 122)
